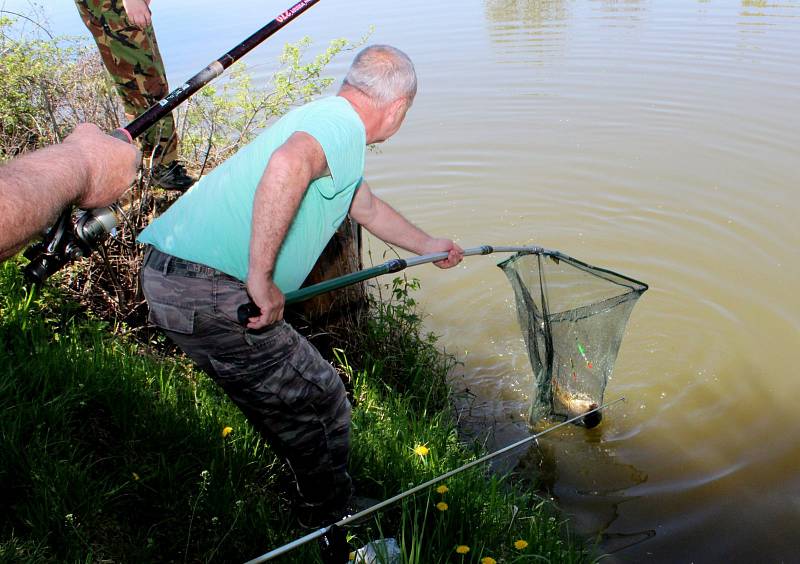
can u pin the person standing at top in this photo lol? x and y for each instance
(127, 43)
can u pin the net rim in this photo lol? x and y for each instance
(634, 285)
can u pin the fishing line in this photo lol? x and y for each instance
(358, 516)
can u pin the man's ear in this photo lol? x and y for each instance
(397, 108)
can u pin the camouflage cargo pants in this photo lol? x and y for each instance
(133, 60)
(292, 396)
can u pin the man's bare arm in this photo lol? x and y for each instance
(383, 221)
(292, 167)
(90, 169)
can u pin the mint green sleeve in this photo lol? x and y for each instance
(342, 142)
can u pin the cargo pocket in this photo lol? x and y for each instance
(315, 379)
(229, 294)
(278, 386)
(247, 387)
(299, 391)
(172, 318)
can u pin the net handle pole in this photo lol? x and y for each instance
(482, 250)
(357, 516)
(396, 265)
(250, 309)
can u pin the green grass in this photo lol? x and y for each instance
(110, 452)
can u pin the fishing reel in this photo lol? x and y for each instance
(73, 236)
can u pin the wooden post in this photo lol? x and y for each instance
(324, 317)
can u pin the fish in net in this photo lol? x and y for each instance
(573, 317)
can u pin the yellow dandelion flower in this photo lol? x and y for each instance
(352, 556)
(421, 450)
(442, 506)
(227, 431)
(520, 544)
(442, 489)
(488, 560)
(135, 476)
(462, 549)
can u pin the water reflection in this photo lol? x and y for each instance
(757, 16)
(769, 8)
(532, 13)
(619, 6)
(581, 471)
(527, 29)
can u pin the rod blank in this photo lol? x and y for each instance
(213, 70)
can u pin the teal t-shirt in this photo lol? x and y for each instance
(210, 224)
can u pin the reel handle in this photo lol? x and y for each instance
(246, 311)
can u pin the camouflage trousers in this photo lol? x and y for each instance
(290, 394)
(133, 60)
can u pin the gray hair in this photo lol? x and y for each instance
(383, 73)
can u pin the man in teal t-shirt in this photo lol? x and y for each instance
(252, 230)
(218, 211)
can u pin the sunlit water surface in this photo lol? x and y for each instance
(657, 139)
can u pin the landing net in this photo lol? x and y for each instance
(573, 317)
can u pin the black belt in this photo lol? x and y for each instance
(168, 264)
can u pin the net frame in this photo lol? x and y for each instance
(537, 321)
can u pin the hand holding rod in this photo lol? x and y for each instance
(250, 309)
(61, 245)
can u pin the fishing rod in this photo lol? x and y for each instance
(248, 310)
(358, 516)
(68, 239)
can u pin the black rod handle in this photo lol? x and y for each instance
(246, 311)
(122, 134)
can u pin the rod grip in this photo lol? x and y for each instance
(122, 134)
(246, 311)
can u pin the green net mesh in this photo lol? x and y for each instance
(573, 317)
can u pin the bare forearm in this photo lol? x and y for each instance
(388, 225)
(278, 196)
(383, 221)
(281, 189)
(34, 189)
(90, 169)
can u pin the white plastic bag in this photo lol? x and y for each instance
(381, 551)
